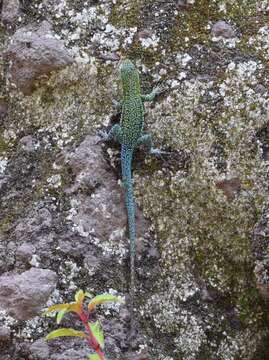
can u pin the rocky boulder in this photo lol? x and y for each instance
(35, 51)
(24, 295)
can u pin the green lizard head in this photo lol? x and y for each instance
(129, 78)
(127, 66)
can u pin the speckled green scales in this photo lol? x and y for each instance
(130, 135)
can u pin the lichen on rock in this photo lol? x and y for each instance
(204, 235)
(202, 264)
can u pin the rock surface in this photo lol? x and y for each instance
(3, 109)
(25, 252)
(5, 334)
(24, 295)
(260, 247)
(10, 11)
(222, 29)
(202, 208)
(98, 201)
(40, 350)
(35, 51)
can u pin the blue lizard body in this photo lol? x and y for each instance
(130, 135)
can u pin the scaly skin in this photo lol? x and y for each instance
(129, 134)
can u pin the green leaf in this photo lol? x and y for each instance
(63, 307)
(56, 307)
(79, 296)
(100, 299)
(60, 315)
(93, 357)
(65, 332)
(98, 333)
(89, 295)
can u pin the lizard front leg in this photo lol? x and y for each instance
(117, 104)
(114, 133)
(150, 97)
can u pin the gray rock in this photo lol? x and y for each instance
(205, 295)
(24, 295)
(261, 272)
(51, 2)
(25, 252)
(185, 3)
(93, 175)
(260, 247)
(40, 350)
(181, 2)
(208, 125)
(5, 334)
(91, 263)
(99, 195)
(144, 34)
(260, 239)
(230, 187)
(38, 220)
(260, 89)
(28, 144)
(35, 51)
(74, 354)
(222, 29)
(109, 56)
(86, 159)
(10, 11)
(3, 108)
(142, 355)
(125, 314)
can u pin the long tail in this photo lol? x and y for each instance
(126, 167)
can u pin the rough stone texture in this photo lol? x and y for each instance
(34, 51)
(3, 109)
(5, 334)
(73, 351)
(202, 269)
(10, 11)
(25, 252)
(40, 350)
(98, 204)
(260, 248)
(28, 144)
(24, 295)
(221, 28)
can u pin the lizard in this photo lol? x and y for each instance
(129, 133)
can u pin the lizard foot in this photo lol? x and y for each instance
(157, 152)
(103, 136)
(158, 90)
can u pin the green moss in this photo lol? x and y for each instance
(126, 14)
(3, 145)
(64, 105)
(191, 24)
(235, 10)
(6, 223)
(203, 237)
